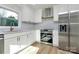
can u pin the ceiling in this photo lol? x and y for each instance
(42, 5)
(37, 5)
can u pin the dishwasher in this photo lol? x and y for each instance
(1, 43)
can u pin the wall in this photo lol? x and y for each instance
(48, 24)
(27, 26)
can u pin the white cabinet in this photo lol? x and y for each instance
(38, 15)
(47, 13)
(31, 15)
(15, 43)
(8, 43)
(23, 41)
(27, 13)
(30, 37)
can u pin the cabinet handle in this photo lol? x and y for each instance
(27, 35)
(17, 38)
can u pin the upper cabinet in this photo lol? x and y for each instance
(38, 15)
(27, 13)
(31, 15)
(43, 14)
(47, 13)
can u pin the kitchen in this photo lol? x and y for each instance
(54, 25)
(19, 26)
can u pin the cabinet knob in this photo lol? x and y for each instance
(18, 38)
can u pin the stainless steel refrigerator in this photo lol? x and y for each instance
(69, 31)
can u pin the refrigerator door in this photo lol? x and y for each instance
(74, 31)
(63, 31)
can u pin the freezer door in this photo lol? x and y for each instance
(74, 32)
(63, 31)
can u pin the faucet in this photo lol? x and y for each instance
(11, 24)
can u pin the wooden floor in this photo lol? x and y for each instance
(45, 49)
(48, 49)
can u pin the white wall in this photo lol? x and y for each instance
(48, 24)
(27, 26)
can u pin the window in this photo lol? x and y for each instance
(8, 17)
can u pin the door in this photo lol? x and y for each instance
(63, 31)
(74, 31)
(23, 41)
(63, 27)
(31, 37)
(10, 45)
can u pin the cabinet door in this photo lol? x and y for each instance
(31, 37)
(23, 41)
(38, 15)
(27, 13)
(10, 45)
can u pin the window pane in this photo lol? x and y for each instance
(8, 18)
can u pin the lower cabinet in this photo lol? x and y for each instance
(15, 44)
(9, 44)
(31, 36)
(23, 41)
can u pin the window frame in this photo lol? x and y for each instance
(10, 9)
